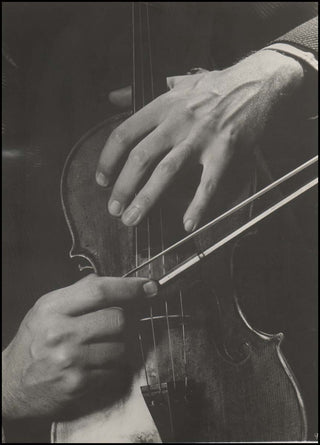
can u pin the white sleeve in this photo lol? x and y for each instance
(291, 50)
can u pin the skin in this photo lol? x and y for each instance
(68, 344)
(203, 119)
(72, 339)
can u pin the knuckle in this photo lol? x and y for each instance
(42, 306)
(187, 148)
(209, 187)
(29, 321)
(94, 289)
(116, 320)
(36, 350)
(38, 316)
(188, 110)
(63, 358)
(139, 157)
(74, 381)
(119, 136)
(168, 167)
(53, 336)
(230, 137)
(144, 201)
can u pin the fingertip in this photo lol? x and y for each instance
(115, 208)
(151, 288)
(132, 216)
(133, 286)
(101, 179)
(122, 97)
(190, 225)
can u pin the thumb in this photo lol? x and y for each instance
(122, 97)
(174, 80)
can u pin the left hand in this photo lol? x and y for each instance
(203, 119)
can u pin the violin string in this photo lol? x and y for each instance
(160, 210)
(141, 55)
(150, 55)
(229, 212)
(170, 344)
(136, 228)
(151, 311)
(183, 342)
(148, 219)
(184, 349)
(144, 362)
(166, 303)
(133, 60)
(161, 230)
(254, 188)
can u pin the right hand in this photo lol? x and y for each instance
(69, 342)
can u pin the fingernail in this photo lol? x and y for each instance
(150, 288)
(115, 208)
(131, 216)
(101, 179)
(189, 225)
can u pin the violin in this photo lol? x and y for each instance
(198, 371)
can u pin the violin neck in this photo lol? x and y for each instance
(147, 83)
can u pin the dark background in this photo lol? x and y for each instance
(67, 57)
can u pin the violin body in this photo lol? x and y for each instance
(198, 371)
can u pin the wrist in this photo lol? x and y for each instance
(285, 71)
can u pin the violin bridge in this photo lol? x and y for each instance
(171, 405)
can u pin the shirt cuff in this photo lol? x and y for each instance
(295, 52)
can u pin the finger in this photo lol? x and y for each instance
(99, 377)
(100, 325)
(161, 178)
(139, 162)
(102, 355)
(122, 97)
(124, 137)
(174, 80)
(111, 381)
(77, 382)
(212, 172)
(93, 293)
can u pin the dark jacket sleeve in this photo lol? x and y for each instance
(304, 36)
(240, 28)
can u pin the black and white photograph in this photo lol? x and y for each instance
(159, 222)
